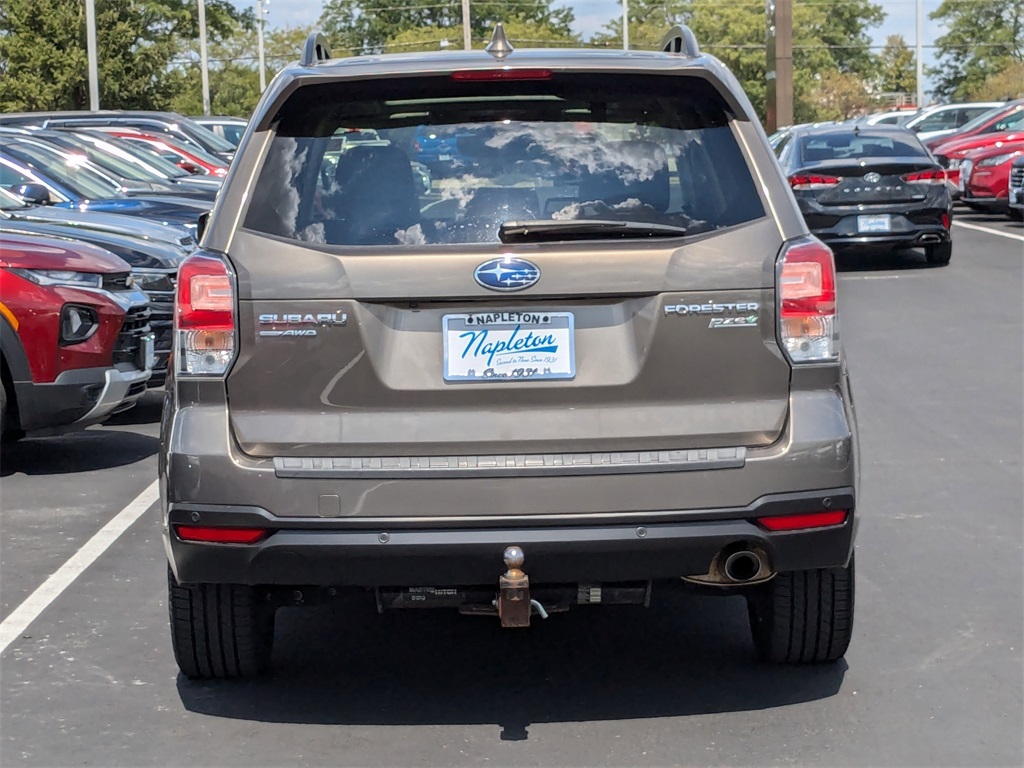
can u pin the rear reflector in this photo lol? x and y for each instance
(813, 182)
(937, 176)
(221, 535)
(803, 521)
(506, 73)
(807, 302)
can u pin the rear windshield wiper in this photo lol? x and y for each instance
(582, 229)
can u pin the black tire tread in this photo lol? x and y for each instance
(219, 630)
(939, 254)
(804, 617)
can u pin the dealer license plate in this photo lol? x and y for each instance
(506, 346)
(872, 224)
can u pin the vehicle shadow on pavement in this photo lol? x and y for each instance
(146, 411)
(877, 261)
(87, 451)
(343, 664)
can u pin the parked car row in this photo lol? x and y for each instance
(835, 165)
(97, 212)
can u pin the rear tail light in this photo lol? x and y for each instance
(204, 317)
(807, 302)
(813, 182)
(926, 177)
(211, 535)
(803, 521)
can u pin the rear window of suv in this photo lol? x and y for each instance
(448, 160)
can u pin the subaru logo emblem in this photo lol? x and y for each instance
(872, 177)
(508, 273)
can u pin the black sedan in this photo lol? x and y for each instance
(861, 187)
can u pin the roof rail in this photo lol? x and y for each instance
(680, 39)
(315, 50)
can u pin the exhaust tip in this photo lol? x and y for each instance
(742, 566)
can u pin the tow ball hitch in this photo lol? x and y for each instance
(514, 603)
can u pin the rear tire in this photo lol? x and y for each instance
(804, 617)
(939, 254)
(219, 630)
(1017, 214)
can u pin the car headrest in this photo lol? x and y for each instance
(377, 196)
(639, 170)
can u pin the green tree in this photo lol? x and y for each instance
(43, 56)
(840, 95)
(897, 69)
(234, 69)
(736, 33)
(365, 26)
(981, 40)
(1005, 85)
(524, 34)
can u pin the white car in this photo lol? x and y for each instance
(945, 119)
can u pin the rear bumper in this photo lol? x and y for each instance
(916, 226)
(326, 553)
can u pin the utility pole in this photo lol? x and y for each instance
(90, 46)
(260, 10)
(920, 60)
(467, 33)
(625, 25)
(204, 64)
(780, 64)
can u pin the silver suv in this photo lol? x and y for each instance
(596, 361)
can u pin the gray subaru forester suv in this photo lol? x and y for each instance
(597, 360)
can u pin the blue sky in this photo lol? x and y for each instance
(591, 15)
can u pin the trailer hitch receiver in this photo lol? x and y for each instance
(514, 604)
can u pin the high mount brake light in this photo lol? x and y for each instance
(926, 177)
(803, 181)
(501, 74)
(807, 302)
(204, 317)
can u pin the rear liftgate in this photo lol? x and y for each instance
(513, 602)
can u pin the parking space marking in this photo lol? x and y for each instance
(980, 228)
(22, 616)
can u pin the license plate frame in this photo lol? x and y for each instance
(873, 224)
(514, 346)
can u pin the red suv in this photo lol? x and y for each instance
(74, 335)
(1009, 118)
(985, 176)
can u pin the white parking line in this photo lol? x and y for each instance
(20, 618)
(979, 228)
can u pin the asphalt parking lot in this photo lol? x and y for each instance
(933, 677)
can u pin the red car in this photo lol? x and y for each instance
(75, 341)
(951, 153)
(191, 159)
(1009, 118)
(985, 176)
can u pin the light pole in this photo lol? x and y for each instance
(467, 33)
(90, 46)
(625, 25)
(260, 10)
(920, 60)
(204, 64)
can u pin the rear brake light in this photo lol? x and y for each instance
(807, 302)
(204, 317)
(803, 521)
(926, 177)
(813, 182)
(221, 535)
(505, 73)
